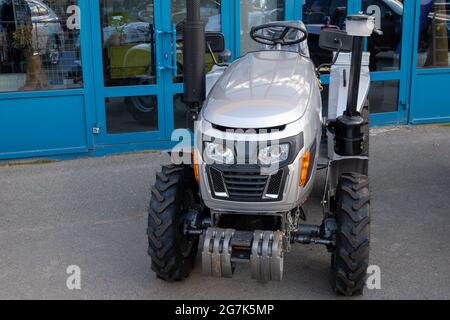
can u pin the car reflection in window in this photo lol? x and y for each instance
(35, 51)
(434, 34)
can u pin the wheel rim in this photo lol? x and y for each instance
(143, 104)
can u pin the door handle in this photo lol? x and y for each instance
(173, 66)
(174, 48)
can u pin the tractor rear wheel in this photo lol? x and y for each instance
(351, 257)
(172, 252)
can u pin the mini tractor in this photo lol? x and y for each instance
(260, 138)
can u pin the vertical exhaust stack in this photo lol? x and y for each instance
(359, 26)
(349, 136)
(194, 49)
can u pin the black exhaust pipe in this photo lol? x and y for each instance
(349, 135)
(194, 49)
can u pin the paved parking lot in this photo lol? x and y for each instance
(92, 213)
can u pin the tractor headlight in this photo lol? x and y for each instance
(274, 154)
(218, 153)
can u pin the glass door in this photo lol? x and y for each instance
(431, 71)
(214, 14)
(44, 73)
(129, 70)
(390, 59)
(389, 64)
(250, 13)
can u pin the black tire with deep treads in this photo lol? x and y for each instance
(351, 258)
(172, 252)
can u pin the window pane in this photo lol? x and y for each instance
(325, 96)
(39, 45)
(254, 13)
(319, 14)
(180, 112)
(211, 15)
(434, 39)
(385, 48)
(128, 39)
(131, 114)
(210, 12)
(383, 96)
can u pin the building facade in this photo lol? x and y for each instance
(94, 77)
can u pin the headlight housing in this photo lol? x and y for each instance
(274, 154)
(218, 153)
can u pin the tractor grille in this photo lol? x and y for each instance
(275, 184)
(217, 181)
(256, 130)
(245, 185)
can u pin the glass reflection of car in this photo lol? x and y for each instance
(434, 28)
(319, 14)
(387, 43)
(131, 51)
(258, 12)
(130, 44)
(48, 36)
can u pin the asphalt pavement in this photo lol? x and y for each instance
(92, 213)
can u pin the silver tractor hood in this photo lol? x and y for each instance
(262, 90)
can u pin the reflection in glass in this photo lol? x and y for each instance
(385, 48)
(254, 13)
(39, 45)
(211, 15)
(180, 112)
(318, 15)
(434, 31)
(383, 96)
(131, 114)
(128, 39)
(325, 97)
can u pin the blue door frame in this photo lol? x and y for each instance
(430, 94)
(170, 88)
(294, 10)
(103, 92)
(51, 122)
(402, 75)
(35, 121)
(165, 88)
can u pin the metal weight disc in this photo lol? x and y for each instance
(277, 258)
(225, 255)
(216, 255)
(207, 251)
(267, 257)
(255, 258)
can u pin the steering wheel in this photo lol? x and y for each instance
(278, 31)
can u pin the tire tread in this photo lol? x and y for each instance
(164, 217)
(351, 257)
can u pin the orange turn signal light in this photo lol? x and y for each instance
(306, 162)
(195, 162)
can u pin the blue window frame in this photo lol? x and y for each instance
(65, 122)
(390, 79)
(429, 85)
(49, 122)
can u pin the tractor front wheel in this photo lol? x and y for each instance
(351, 257)
(172, 252)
